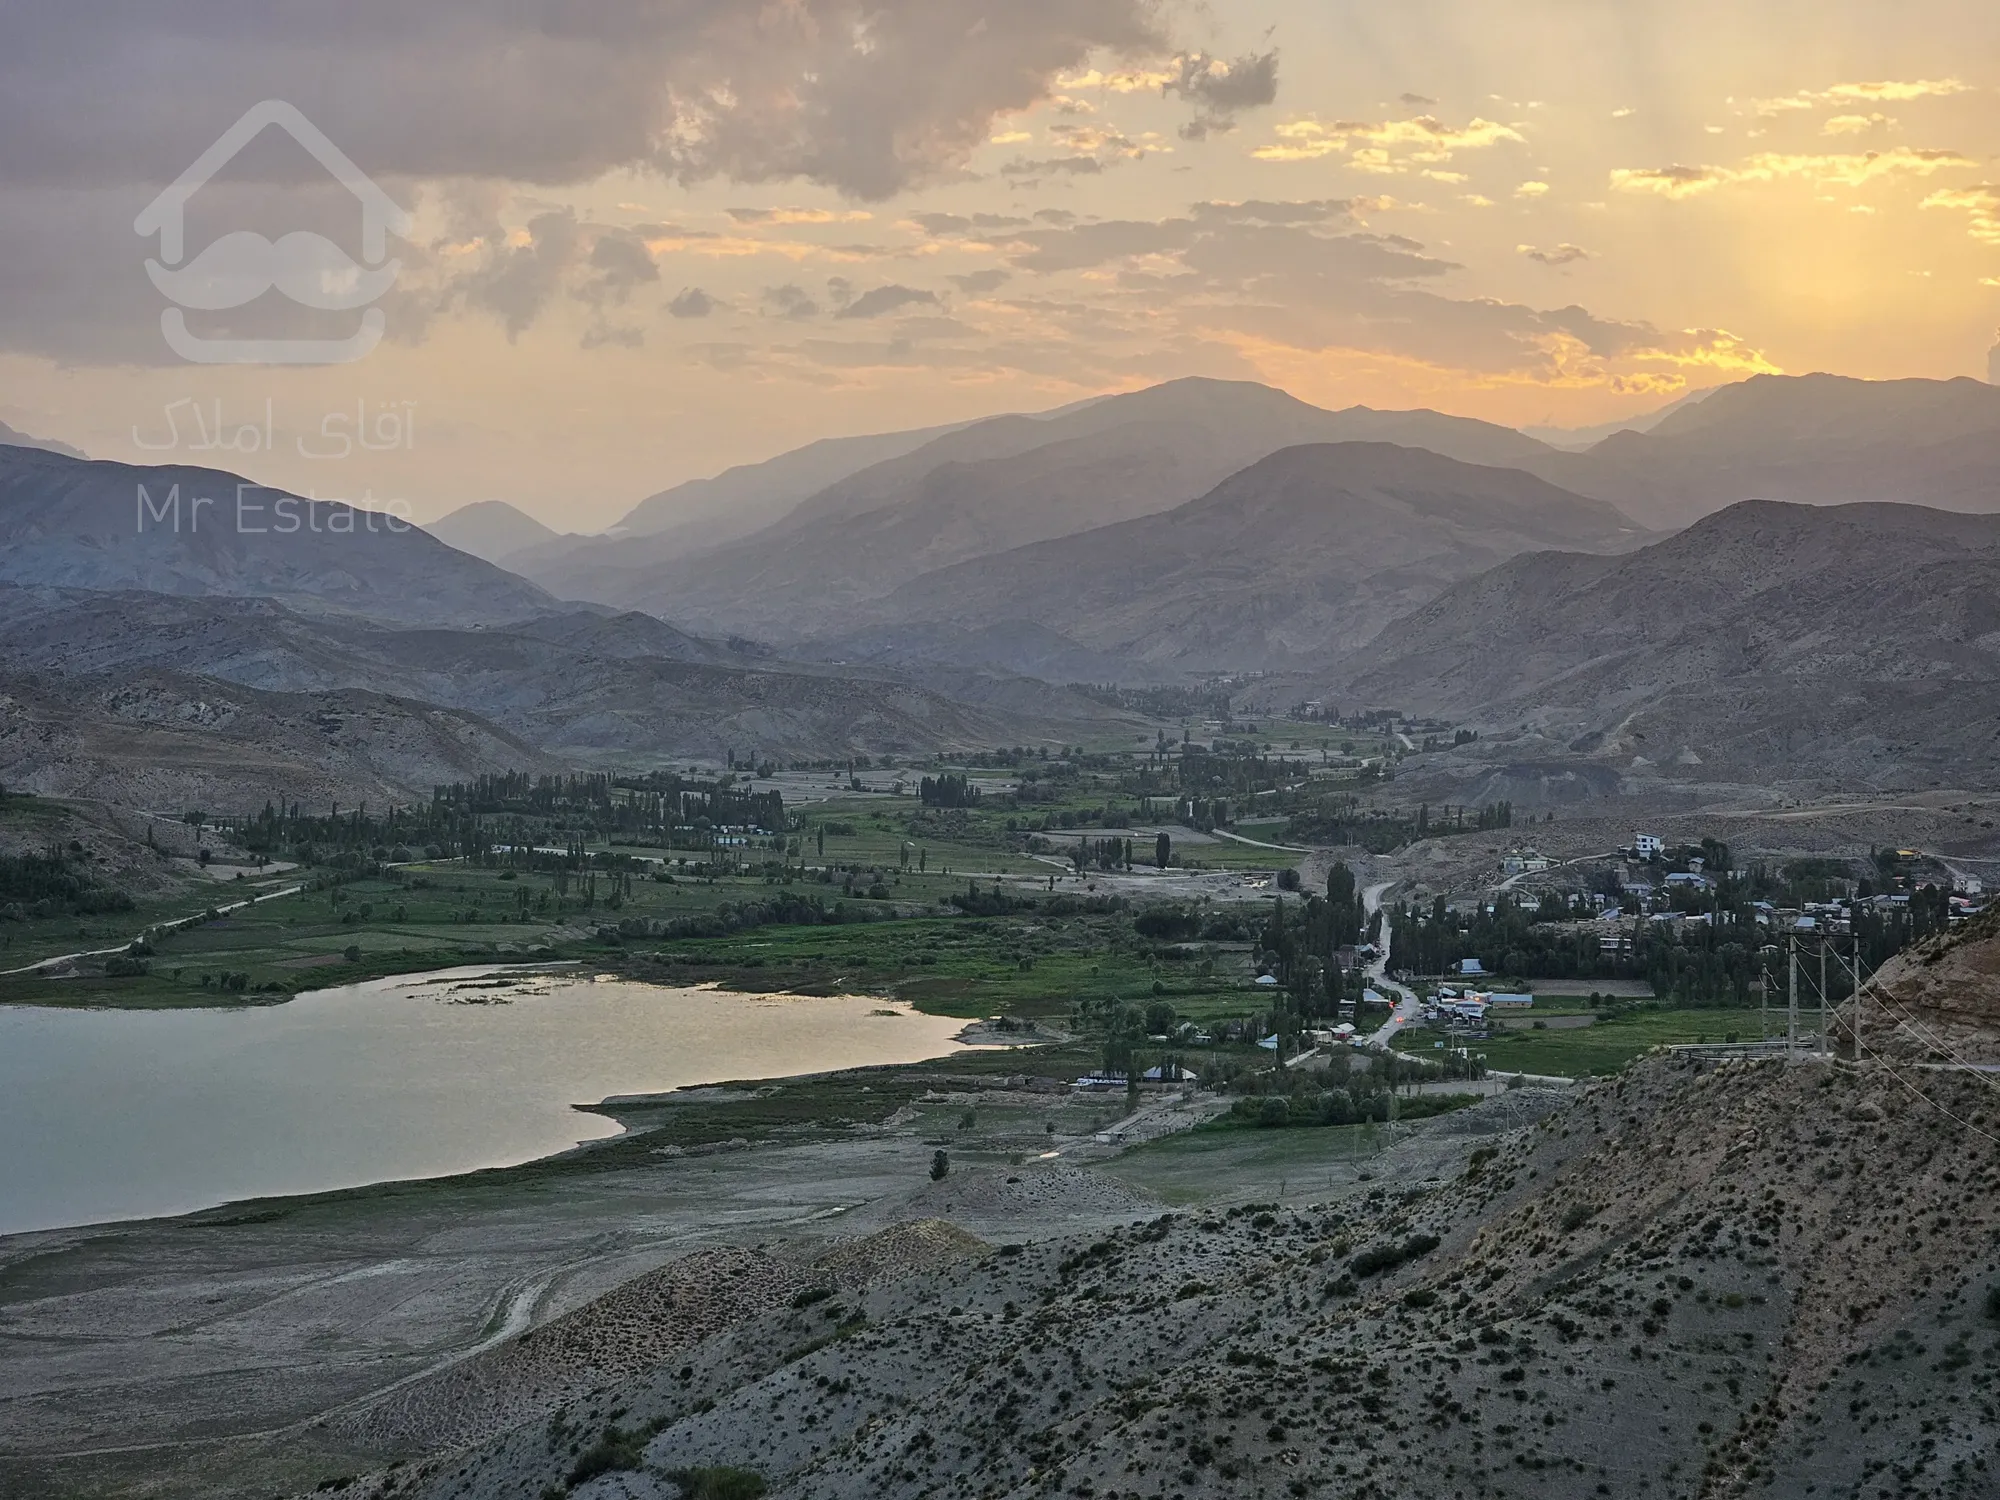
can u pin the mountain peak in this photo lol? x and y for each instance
(490, 529)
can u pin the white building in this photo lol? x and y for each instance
(1648, 845)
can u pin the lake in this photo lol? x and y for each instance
(110, 1114)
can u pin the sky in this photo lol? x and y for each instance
(647, 239)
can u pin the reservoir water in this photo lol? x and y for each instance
(109, 1114)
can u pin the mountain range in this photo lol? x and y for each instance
(985, 489)
(1302, 554)
(999, 540)
(1768, 641)
(1814, 439)
(1615, 604)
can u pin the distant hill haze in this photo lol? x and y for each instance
(14, 437)
(702, 514)
(1767, 642)
(491, 529)
(579, 686)
(202, 532)
(1813, 439)
(997, 485)
(1305, 553)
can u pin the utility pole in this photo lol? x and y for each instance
(1825, 1014)
(1792, 1001)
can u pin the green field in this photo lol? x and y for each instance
(1601, 1048)
(1029, 963)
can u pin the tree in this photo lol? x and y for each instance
(940, 1166)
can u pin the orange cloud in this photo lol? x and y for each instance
(1376, 147)
(1981, 202)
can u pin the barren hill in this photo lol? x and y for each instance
(1692, 1283)
(1770, 640)
(579, 687)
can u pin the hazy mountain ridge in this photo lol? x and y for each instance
(86, 524)
(492, 529)
(14, 437)
(1813, 439)
(574, 686)
(1295, 557)
(995, 485)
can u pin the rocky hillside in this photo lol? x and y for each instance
(1938, 1003)
(1773, 642)
(158, 739)
(577, 687)
(1693, 1282)
(77, 524)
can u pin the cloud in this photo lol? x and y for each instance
(1075, 166)
(1823, 170)
(1919, 88)
(1852, 170)
(979, 283)
(621, 262)
(881, 300)
(1259, 211)
(520, 279)
(1677, 181)
(1855, 124)
(790, 301)
(1562, 255)
(799, 216)
(1532, 190)
(692, 303)
(1383, 146)
(1981, 203)
(1223, 90)
(1886, 91)
(1416, 101)
(866, 96)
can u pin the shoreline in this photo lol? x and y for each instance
(628, 1112)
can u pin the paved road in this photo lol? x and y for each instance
(1376, 973)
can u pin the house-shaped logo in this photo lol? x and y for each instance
(306, 267)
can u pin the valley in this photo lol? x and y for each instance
(1109, 778)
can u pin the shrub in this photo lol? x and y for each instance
(1576, 1216)
(1377, 1258)
(616, 1450)
(720, 1482)
(940, 1168)
(118, 966)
